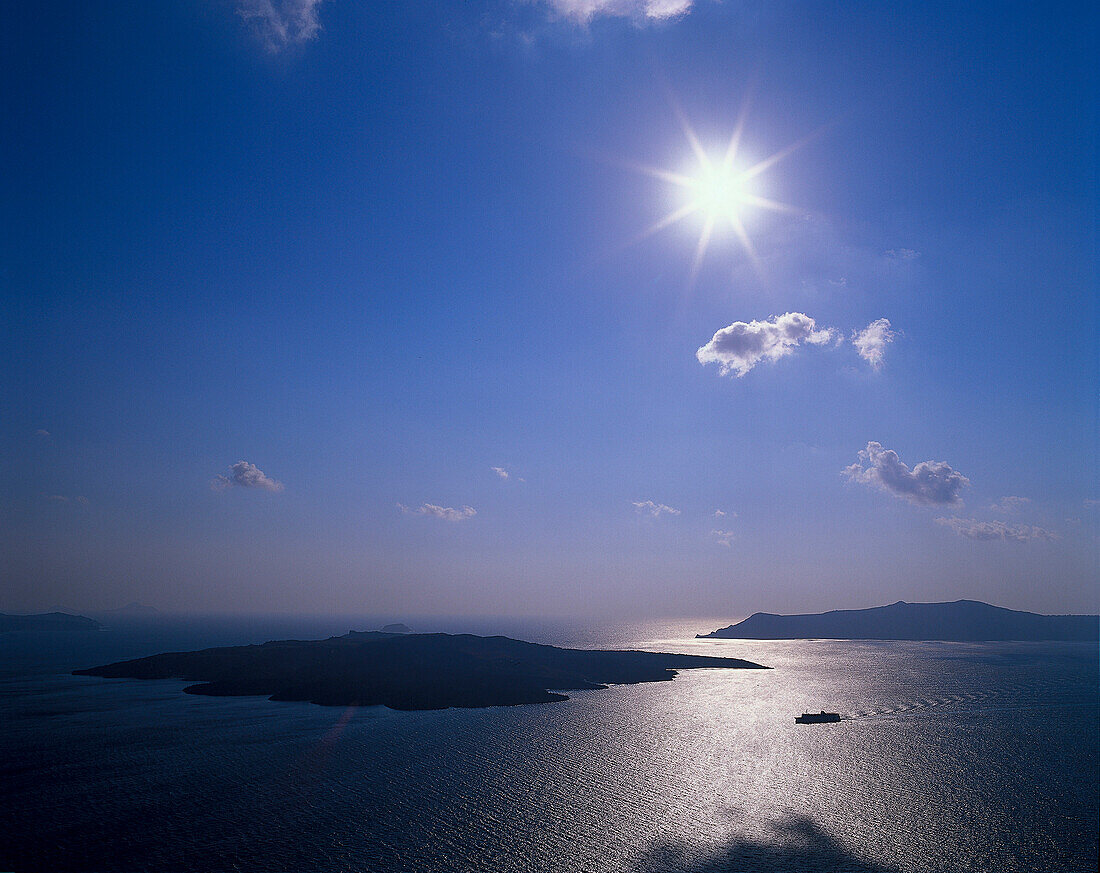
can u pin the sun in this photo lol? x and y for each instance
(720, 189)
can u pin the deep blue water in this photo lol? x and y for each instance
(956, 757)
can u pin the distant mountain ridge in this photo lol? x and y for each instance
(960, 621)
(50, 621)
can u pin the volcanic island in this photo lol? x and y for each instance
(409, 671)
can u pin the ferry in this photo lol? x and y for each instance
(822, 717)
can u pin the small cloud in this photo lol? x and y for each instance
(928, 483)
(902, 254)
(245, 475)
(973, 529)
(871, 341)
(63, 498)
(445, 513)
(45, 434)
(742, 345)
(1009, 505)
(654, 510)
(281, 23)
(842, 282)
(500, 471)
(583, 11)
(1090, 502)
(723, 537)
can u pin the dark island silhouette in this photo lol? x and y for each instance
(48, 621)
(961, 621)
(407, 671)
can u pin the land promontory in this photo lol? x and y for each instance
(408, 671)
(961, 620)
(47, 621)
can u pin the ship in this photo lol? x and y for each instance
(822, 717)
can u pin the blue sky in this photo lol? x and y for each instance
(282, 283)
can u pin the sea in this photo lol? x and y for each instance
(950, 757)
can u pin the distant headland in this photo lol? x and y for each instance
(960, 621)
(47, 621)
(408, 671)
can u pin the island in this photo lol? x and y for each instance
(408, 671)
(961, 621)
(47, 621)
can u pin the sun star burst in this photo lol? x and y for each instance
(720, 190)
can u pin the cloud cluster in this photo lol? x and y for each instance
(973, 529)
(245, 475)
(281, 23)
(928, 483)
(723, 537)
(500, 471)
(871, 341)
(742, 345)
(655, 510)
(444, 513)
(1009, 505)
(583, 11)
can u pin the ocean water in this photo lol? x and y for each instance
(952, 757)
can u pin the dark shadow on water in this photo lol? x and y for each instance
(798, 845)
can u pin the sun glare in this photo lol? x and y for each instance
(720, 191)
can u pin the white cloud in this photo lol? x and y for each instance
(45, 434)
(281, 23)
(723, 537)
(583, 11)
(871, 341)
(500, 471)
(742, 345)
(246, 475)
(929, 482)
(973, 529)
(445, 513)
(902, 254)
(655, 510)
(1009, 505)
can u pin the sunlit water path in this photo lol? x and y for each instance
(952, 757)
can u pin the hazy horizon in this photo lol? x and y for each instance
(363, 617)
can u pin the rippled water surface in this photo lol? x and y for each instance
(952, 757)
